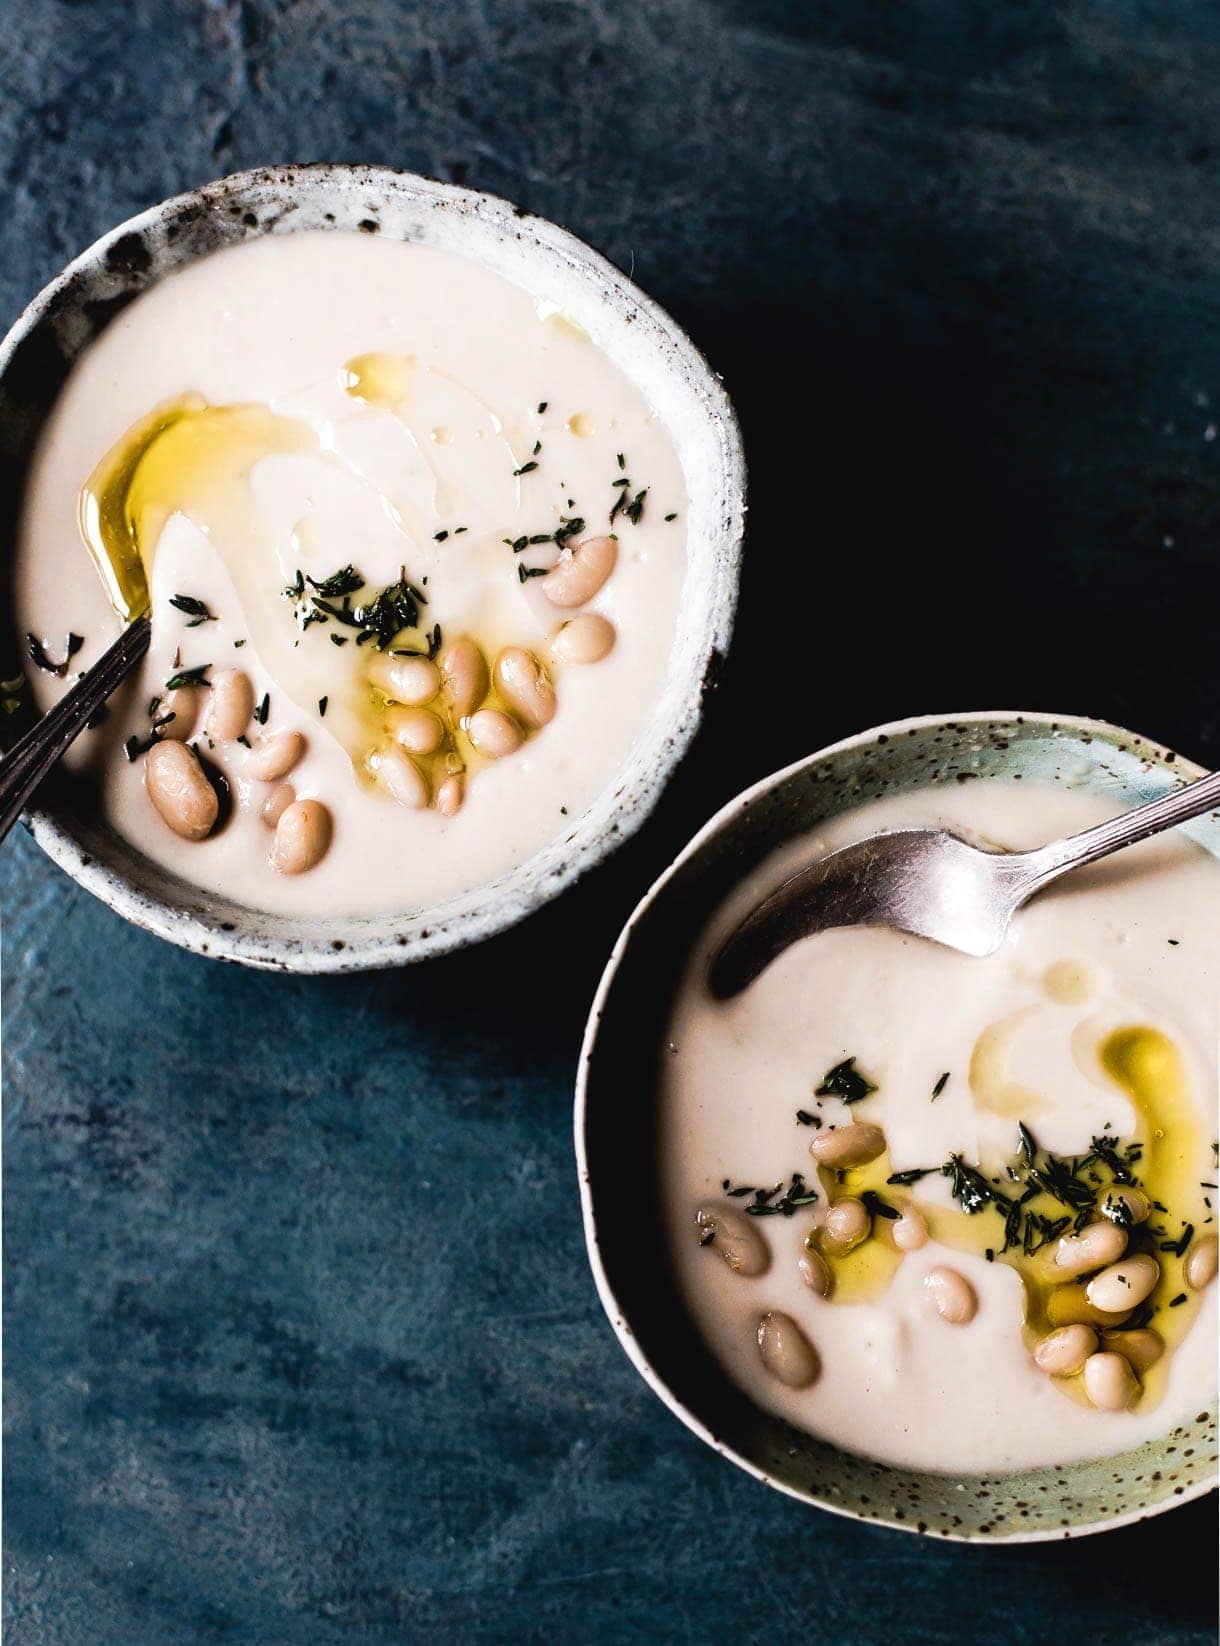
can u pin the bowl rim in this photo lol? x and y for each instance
(615, 1313)
(220, 934)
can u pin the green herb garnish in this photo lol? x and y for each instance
(195, 609)
(198, 676)
(845, 1081)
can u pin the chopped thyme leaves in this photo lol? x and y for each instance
(635, 509)
(322, 702)
(902, 1179)
(345, 581)
(198, 676)
(1174, 1302)
(542, 405)
(804, 1118)
(524, 573)
(196, 610)
(622, 461)
(878, 1207)
(845, 1081)
(940, 1085)
(263, 709)
(1178, 1246)
(789, 1201)
(338, 639)
(439, 537)
(970, 1188)
(670, 517)
(526, 468)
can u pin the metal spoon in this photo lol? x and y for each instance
(929, 882)
(29, 760)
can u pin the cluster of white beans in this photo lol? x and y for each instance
(1108, 1357)
(1110, 1361)
(187, 800)
(430, 700)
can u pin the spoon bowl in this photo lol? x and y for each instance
(924, 881)
(932, 884)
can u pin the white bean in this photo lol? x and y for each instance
(301, 837)
(1063, 1352)
(1109, 1382)
(494, 734)
(786, 1352)
(450, 794)
(1092, 1248)
(1200, 1268)
(1124, 1285)
(418, 731)
(230, 705)
(847, 1224)
(814, 1272)
(910, 1231)
(523, 684)
(1140, 1348)
(584, 639)
(736, 1239)
(277, 803)
(274, 756)
(412, 680)
(463, 676)
(178, 787)
(852, 1145)
(952, 1295)
(579, 572)
(183, 704)
(400, 777)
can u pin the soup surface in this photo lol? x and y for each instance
(952, 1213)
(414, 549)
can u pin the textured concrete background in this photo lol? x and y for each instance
(301, 1345)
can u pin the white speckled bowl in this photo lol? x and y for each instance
(615, 1103)
(63, 319)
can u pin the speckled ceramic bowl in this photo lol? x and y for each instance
(615, 1104)
(645, 343)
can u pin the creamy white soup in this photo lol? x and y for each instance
(952, 1213)
(414, 549)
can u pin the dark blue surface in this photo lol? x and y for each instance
(301, 1345)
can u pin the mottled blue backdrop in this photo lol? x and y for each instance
(301, 1345)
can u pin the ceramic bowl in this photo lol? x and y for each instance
(615, 1119)
(643, 341)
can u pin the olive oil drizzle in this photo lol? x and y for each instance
(1015, 1215)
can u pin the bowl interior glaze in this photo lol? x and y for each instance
(615, 1116)
(639, 337)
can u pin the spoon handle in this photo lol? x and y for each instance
(31, 758)
(1047, 863)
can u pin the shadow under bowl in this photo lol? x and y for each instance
(615, 1123)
